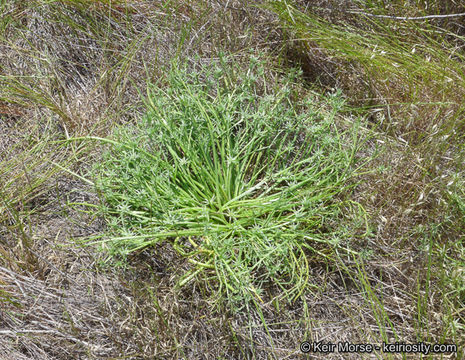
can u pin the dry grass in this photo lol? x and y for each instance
(415, 101)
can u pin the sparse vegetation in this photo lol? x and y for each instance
(252, 210)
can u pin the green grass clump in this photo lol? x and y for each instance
(242, 183)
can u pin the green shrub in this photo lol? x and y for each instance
(239, 181)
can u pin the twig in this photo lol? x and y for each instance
(408, 17)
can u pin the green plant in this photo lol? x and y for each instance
(241, 183)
